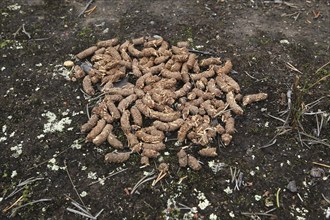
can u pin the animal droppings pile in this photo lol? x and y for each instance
(151, 90)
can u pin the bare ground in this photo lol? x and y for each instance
(262, 38)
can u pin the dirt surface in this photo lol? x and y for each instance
(41, 112)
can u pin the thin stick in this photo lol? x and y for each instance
(325, 198)
(20, 27)
(319, 69)
(79, 213)
(315, 113)
(12, 205)
(277, 118)
(29, 203)
(67, 171)
(321, 164)
(317, 126)
(257, 213)
(85, 8)
(316, 140)
(268, 145)
(290, 66)
(49, 159)
(251, 76)
(318, 81)
(25, 32)
(83, 212)
(278, 197)
(312, 104)
(202, 52)
(143, 180)
(107, 177)
(22, 185)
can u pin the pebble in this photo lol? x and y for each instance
(68, 63)
(292, 186)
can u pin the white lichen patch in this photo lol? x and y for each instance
(231, 214)
(191, 214)
(257, 197)
(77, 113)
(53, 166)
(13, 173)
(213, 217)
(92, 175)
(327, 212)
(203, 202)
(216, 166)
(40, 136)
(76, 145)
(14, 7)
(101, 180)
(62, 71)
(228, 190)
(12, 134)
(83, 194)
(4, 128)
(53, 124)
(2, 139)
(17, 150)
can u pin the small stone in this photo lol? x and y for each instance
(292, 187)
(284, 41)
(68, 63)
(317, 172)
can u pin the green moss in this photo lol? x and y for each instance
(6, 43)
(86, 32)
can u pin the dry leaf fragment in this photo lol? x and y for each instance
(150, 153)
(154, 146)
(193, 163)
(138, 41)
(230, 125)
(86, 53)
(232, 103)
(225, 69)
(208, 152)
(92, 121)
(182, 158)
(226, 138)
(102, 137)
(96, 130)
(114, 141)
(87, 85)
(124, 122)
(117, 157)
(136, 115)
(207, 74)
(145, 161)
(248, 99)
(210, 61)
(108, 43)
(168, 126)
(227, 84)
(123, 104)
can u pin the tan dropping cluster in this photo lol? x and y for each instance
(147, 81)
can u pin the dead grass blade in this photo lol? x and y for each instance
(29, 203)
(142, 181)
(293, 68)
(21, 186)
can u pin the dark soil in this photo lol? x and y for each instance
(260, 38)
